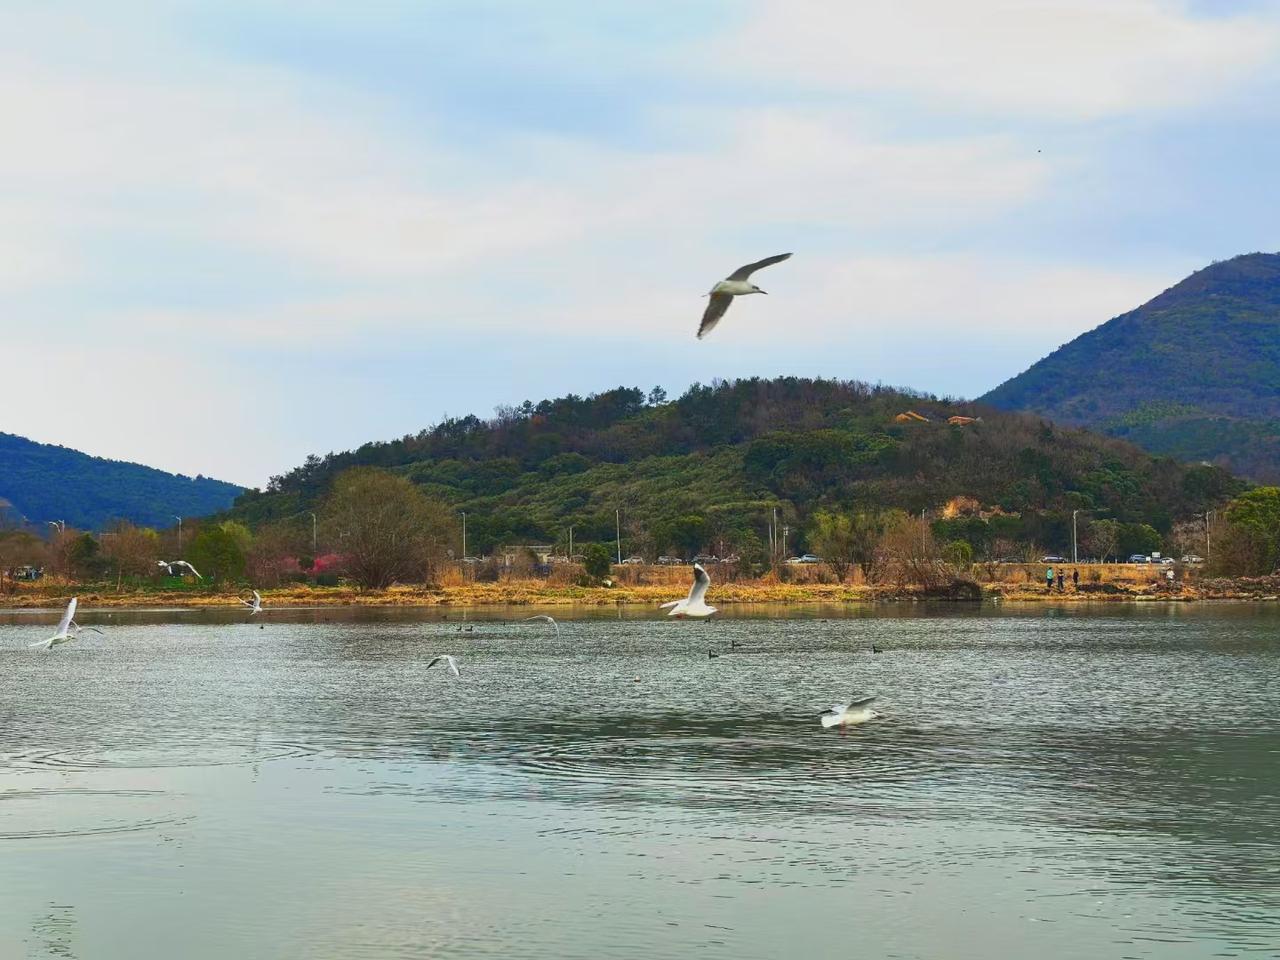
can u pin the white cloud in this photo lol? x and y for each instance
(1048, 59)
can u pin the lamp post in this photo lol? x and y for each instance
(571, 543)
(179, 519)
(1208, 517)
(464, 536)
(313, 537)
(617, 519)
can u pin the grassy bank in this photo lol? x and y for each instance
(656, 585)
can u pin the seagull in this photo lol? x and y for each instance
(168, 566)
(735, 285)
(693, 605)
(452, 664)
(254, 605)
(68, 629)
(849, 714)
(543, 617)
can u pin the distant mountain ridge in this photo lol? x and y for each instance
(44, 482)
(1193, 373)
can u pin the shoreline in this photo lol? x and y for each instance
(541, 594)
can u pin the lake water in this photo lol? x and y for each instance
(1047, 782)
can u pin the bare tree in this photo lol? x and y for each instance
(385, 528)
(130, 551)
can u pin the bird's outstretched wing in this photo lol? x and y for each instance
(41, 644)
(715, 310)
(545, 619)
(742, 273)
(668, 606)
(701, 580)
(861, 703)
(67, 616)
(183, 563)
(452, 664)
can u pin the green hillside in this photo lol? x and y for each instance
(1194, 373)
(707, 469)
(43, 482)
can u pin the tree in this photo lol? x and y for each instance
(1101, 538)
(1254, 518)
(385, 528)
(596, 560)
(19, 549)
(131, 551)
(217, 555)
(1137, 538)
(844, 540)
(657, 397)
(84, 558)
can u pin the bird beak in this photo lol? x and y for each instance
(765, 292)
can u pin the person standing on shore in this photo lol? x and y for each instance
(1075, 578)
(1048, 579)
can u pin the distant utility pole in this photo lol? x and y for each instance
(464, 535)
(313, 537)
(617, 519)
(1075, 557)
(1208, 515)
(571, 543)
(59, 525)
(785, 530)
(179, 519)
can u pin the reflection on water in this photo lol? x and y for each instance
(1070, 782)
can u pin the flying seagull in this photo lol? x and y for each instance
(452, 664)
(168, 566)
(849, 714)
(694, 605)
(545, 619)
(734, 285)
(254, 605)
(68, 629)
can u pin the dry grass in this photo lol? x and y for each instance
(654, 585)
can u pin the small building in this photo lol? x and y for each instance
(509, 556)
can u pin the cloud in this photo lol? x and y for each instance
(1047, 60)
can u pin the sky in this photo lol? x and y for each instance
(236, 233)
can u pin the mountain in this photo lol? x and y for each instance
(1194, 373)
(710, 467)
(44, 482)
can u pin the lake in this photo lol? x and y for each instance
(1046, 782)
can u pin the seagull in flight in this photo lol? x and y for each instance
(545, 619)
(849, 714)
(734, 285)
(448, 661)
(168, 566)
(694, 605)
(68, 629)
(254, 605)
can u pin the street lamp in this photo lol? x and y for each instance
(313, 536)
(464, 535)
(617, 519)
(179, 519)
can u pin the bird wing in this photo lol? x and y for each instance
(41, 644)
(743, 272)
(453, 666)
(67, 616)
(257, 597)
(715, 310)
(668, 606)
(861, 703)
(192, 569)
(247, 603)
(701, 580)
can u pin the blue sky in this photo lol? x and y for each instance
(234, 234)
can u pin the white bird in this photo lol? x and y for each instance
(545, 619)
(254, 605)
(734, 285)
(849, 714)
(694, 604)
(452, 664)
(170, 564)
(68, 629)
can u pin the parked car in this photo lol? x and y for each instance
(472, 560)
(1139, 558)
(670, 561)
(1053, 559)
(732, 558)
(1192, 558)
(793, 559)
(1167, 560)
(705, 558)
(633, 560)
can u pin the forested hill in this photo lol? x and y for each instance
(43, 482)
(709, 467)
(1194, 373)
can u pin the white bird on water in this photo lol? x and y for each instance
(694, 605)
(168, 566)
(254, 605)
(68, 629)
(849, 714)
(545, 619)
(734, 285)
(449, 661)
